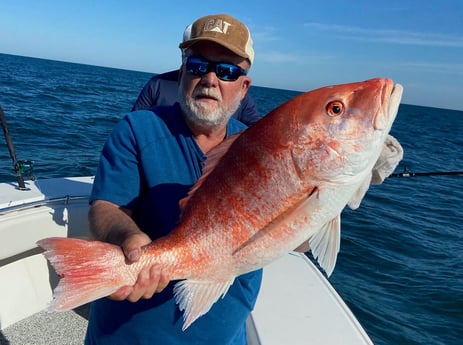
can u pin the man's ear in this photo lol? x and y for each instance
(245, 86)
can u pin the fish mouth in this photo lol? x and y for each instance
(390, 98)
(394, 102)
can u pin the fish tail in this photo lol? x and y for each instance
(88, 269)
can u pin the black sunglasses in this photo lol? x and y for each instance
(224, 71)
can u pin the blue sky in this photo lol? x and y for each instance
(300, 45)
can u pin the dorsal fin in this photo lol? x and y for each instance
(213, 158)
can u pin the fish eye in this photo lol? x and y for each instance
(335, 108)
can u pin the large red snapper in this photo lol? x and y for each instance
(263, 192)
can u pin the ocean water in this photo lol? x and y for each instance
(400, 268)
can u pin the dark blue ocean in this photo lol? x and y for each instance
(400, 268)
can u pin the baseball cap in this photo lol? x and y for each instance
(222, 29)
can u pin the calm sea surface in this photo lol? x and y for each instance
(400, 268)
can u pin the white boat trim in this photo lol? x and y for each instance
(297, 305)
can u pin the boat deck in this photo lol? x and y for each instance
(68, 329)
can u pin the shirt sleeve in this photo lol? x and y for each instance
(161, 89)
(247, 112)
(118, 177)
(148, 95)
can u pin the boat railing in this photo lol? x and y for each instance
(64, 200)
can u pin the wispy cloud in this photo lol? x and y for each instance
(388, 35)
(264, 34)
(274, 56)
(453, 69)
(278, 57)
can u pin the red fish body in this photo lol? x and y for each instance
(263, 192)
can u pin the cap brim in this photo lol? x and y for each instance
(190, 43)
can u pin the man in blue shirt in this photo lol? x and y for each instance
(148, 164)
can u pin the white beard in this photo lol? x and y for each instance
(204, 114)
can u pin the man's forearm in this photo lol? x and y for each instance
(110, 223)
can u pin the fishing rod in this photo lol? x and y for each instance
(19, 166)
(407, 173)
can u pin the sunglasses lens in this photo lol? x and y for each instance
(197, 66)
(224, 71)
(227, 72)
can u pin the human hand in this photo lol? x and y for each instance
(150, 280)
(391, 154)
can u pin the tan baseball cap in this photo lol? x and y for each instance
(222, 29)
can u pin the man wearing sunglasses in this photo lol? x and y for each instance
(149, 162)
(162, 89)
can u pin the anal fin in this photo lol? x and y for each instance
(196, 297)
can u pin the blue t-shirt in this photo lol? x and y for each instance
(148, 164)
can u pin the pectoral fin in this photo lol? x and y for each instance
(196, 297)
(293, 214)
